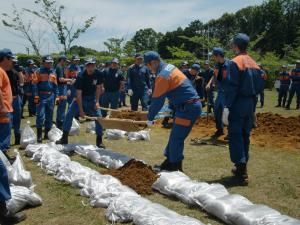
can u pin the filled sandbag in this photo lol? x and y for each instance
(142, 135)
(75, 128)
(115, 134)
(27, 136)
(54, 134)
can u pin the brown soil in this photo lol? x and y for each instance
(136, 175)
(127, 114)
(272, 130)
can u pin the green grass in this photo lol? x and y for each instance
(274, 175)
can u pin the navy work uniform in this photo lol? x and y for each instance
(45, 91)
(284, 78)
(89, 85)
(72, 72)
(28, 88)
(171, 83)
(112, 81)
(139, 85)
(295, 86)
(207, 74)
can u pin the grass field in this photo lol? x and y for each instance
(274, 175)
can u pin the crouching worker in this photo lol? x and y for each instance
(5, 216)
(88, 87)
(171, 83)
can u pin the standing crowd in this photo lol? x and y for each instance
(81, 90)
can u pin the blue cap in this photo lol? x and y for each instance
(184, 63)
(6, 53)
(138, 55)
(15, 58)
(151, 55)
(206, 62)
(241, 40)
(115, 60)
(218, 51)
(62, 57)
(196, 67)
(75, 58)
(30, 62)
(90, 60)
(47, 59)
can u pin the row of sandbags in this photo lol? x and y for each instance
(216, 200)
(123, 204)
(21, 185)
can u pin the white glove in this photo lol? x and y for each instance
(225, 116)
(69, 93)
(150, 123)
(130, 92)
(149, 92)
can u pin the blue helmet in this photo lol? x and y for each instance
(6, 53)
(151, 55)
(218, 51)
(241, 40)
(47, 59)
(196, 67)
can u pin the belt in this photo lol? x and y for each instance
(45, 92)
(191, 101)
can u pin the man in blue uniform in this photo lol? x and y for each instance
(244, 83)
(112, 81)
(139, 86)
(261, 95)
(28, 90)
(171, 83)
(45, 92)
(184, 65)
(208, 93)
(220, 77)
(72, 72)
(16, 82)
(62, 82)
(284, 78)
(124, 87)
(295, 86)
(88, 86)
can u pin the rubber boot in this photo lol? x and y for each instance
(162, 166)
(10, 218)
(59, 125)
(99, 142)
(46, 134)
(283, 103)
(39, 135)
(64, 139)
(11, 159)
(241, 174)
(17, 139)
(288, 107)
(168, 166)
(218, 133)
(278, 105)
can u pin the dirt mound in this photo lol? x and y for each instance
(137, 175)
(127, 114)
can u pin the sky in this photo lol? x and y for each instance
(118, 18)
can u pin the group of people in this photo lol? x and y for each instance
(86, 90)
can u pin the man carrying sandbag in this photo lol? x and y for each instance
(171, 83)
(88, 86)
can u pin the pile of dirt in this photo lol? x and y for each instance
(127, 114)
(136, 175)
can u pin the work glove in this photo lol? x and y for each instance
(150, 123)
(130, 92)
(69, 92)
(149, 92)
(225, 116)
(36, 100)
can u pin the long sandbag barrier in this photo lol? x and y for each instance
(123, 204)
(214, 199)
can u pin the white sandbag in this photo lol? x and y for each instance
(53, 161)
(27, 136)
(225, 116)
(91, 127)
(185, 190)
(55, 134)
(83, 150)
(115, 134)
(168, 179)
(17, 174)
(220, 207)
(75, 128)
(142, 135)
(159, 215)
(41, 151)
(103, 196)
(123, 207)
(277, 84)
(213, 191)
(22, 197)
(279, 220)
(32, 148)
(250, 214)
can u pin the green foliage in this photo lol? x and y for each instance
(146, 39)
(179, 53)
(114, 46)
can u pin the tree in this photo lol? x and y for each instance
(114, 46)
(179, 53)
(129, 49)
(22, 28)
(66, 33)
(82, 51)
(146, 39)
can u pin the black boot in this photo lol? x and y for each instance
(64, 139)
(99, 142)
(17, 139)
(168, 166)
(9, 218)
(11, 159)
(279, 105)
(218, 133)
(46, 134)
(287, 107)
(241, 174)
(39, 135)
(162, 166)
(59, 125)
